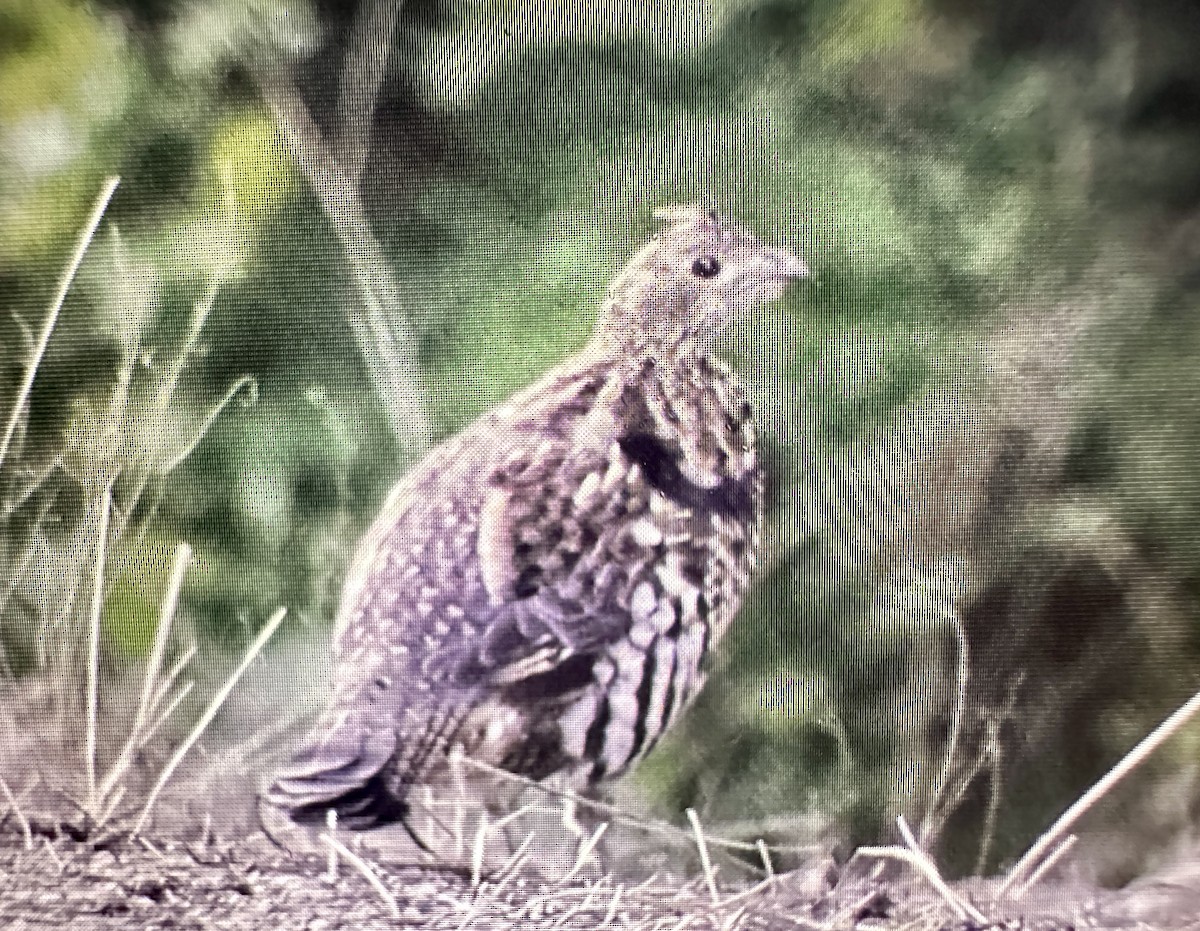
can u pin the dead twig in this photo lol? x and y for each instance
(916, 857)
(1128, 763)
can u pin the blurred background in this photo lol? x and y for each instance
(343, 231)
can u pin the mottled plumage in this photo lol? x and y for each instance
(542, 588)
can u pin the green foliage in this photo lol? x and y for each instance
(131, 612)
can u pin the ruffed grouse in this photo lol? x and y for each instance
(542, 588)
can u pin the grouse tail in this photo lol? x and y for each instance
(344, 769)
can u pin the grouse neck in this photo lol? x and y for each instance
(650, 312)
(634, 353)
(633, 342)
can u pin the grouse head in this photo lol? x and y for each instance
(692, 278)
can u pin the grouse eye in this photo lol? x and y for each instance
(706, 266)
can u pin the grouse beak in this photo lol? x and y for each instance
(781, 269)
(787, 266)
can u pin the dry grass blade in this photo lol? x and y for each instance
(26, 559)
(616, 815)
(916, 857)
(934, 815)
(246, 383)
(26, 830)
(112, 780)
(166, 615)
(705, 861)
(576, 909)
(477, 851)
(200, 312)
(209, 713)
(93, 666)
(929, 868)
(1131, 761)
(513, 816)
(585, 852)
(611, 912)
(964, 910)
(765, 854)
(60, 295)
(24, 494)
(53, 855)
(514, 862)
(142, 728)
(168, 681)
(1045, 866)
(993, 755)
(169, 710)
(331, 865)
(151, 848)
(110, 806)
(364, 868)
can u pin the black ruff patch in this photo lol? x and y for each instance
(733, 497)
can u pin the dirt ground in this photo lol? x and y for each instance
(53, 877)
(213, 858)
